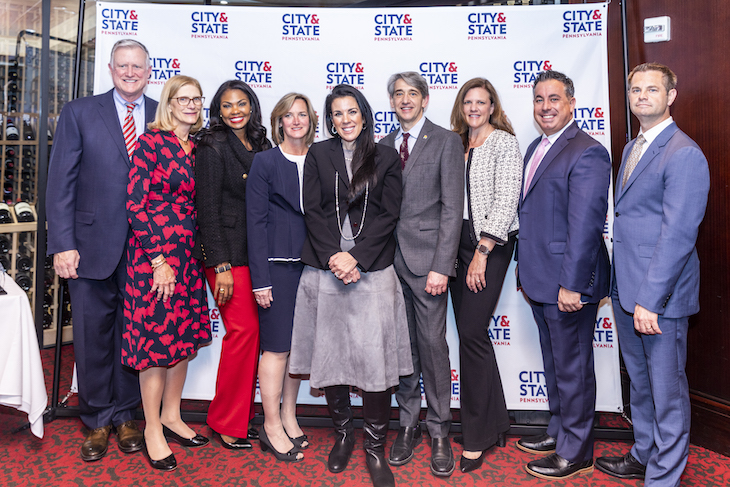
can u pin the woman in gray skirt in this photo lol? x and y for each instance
(350, 325)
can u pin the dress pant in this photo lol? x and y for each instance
(108, 391)
(483, 409)
(660, 405)
(232, 407)
(427, 329)
(566, 340)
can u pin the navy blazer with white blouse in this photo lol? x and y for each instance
(275, 223)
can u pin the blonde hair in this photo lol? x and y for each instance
(282, 107)
(163, 116)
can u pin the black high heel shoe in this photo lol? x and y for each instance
(469, 464)
(167, 464)
(239, 444)
(298, 441)
(194, 442)
(253, 433)
(290, 456)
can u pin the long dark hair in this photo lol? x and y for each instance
(217, 130)
(363, 158)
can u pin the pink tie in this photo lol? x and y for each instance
(129, 130)
(536, 161)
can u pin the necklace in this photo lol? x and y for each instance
(184, 141)
(337, 208)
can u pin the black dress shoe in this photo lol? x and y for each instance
(554, 467)
(541, 444)
(194, 442)
(469, 464)
(130, 438)
(253, 433)
(625, 467)
(166, 464)
(96, 443)
(239, 444)
(442, 458)
(402, 450)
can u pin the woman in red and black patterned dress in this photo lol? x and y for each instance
(165, 310)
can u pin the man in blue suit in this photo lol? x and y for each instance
(661, 196)
(88, 234)
(564, 271)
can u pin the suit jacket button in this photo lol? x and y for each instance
(617, 214)
(245, 176)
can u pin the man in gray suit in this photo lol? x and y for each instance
(428, 236)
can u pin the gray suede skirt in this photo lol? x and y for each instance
(353, 335)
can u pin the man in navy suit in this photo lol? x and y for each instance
(564, 271)
(661, 196)
(88, 234)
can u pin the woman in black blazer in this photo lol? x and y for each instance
(224, 158)
(277, 231)
(350, 327)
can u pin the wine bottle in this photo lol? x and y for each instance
(11, 131)
(5, 216)
(23, 261)
(24, 212)
(23, 280)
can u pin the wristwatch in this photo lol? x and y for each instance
(223, 268)
(484, 250)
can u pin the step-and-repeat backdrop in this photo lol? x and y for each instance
(279, 50)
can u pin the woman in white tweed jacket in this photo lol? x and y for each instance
(493, 180)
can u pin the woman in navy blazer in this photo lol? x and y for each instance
(276, 232)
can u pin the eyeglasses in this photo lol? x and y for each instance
(184, 101)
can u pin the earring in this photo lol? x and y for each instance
(333, 130)
(364, 125)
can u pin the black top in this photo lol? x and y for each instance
(375, 246)
(221, 171)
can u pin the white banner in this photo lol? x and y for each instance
(310, 50)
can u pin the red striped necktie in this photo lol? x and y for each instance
(129, 130)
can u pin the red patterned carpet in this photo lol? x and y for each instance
(54, 460)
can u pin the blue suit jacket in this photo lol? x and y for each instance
(655, 228)
(275, 223)
(562, 216)
(87, 184)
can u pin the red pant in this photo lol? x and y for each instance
(232, 407)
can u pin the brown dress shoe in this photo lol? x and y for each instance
(130, 437)
(95, 444)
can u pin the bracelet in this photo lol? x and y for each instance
(223, 268)
(157, 262)
(484, 250)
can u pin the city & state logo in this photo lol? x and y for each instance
(119, 21)
(582, 23)
(300, 27)
(604, 334)
(533, 388)
(486, 26)
(591, 120)
(440, 75)
(525, 72)
(209, 25)
(499, 330)
(393, 27)
(348, 73)
(258, 74)
(163, 68)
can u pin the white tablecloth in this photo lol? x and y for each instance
(21, 373)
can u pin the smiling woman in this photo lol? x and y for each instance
(165, 310)
(224, 160)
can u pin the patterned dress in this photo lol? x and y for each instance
(161, 211)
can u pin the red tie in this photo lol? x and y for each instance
(129, 130)
(404, 150)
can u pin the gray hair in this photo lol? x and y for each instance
(558, 76)
(412, 79)
(130, 43)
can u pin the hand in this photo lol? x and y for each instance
(475, 275)
(163, 282)
(341, 264)
(646, 322)
(436, 284)
(223, 287)
(569, 301)
(65, 263)
(264, 298)
(352, 277)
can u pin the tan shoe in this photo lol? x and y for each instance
(95, 444)
(130, 437)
